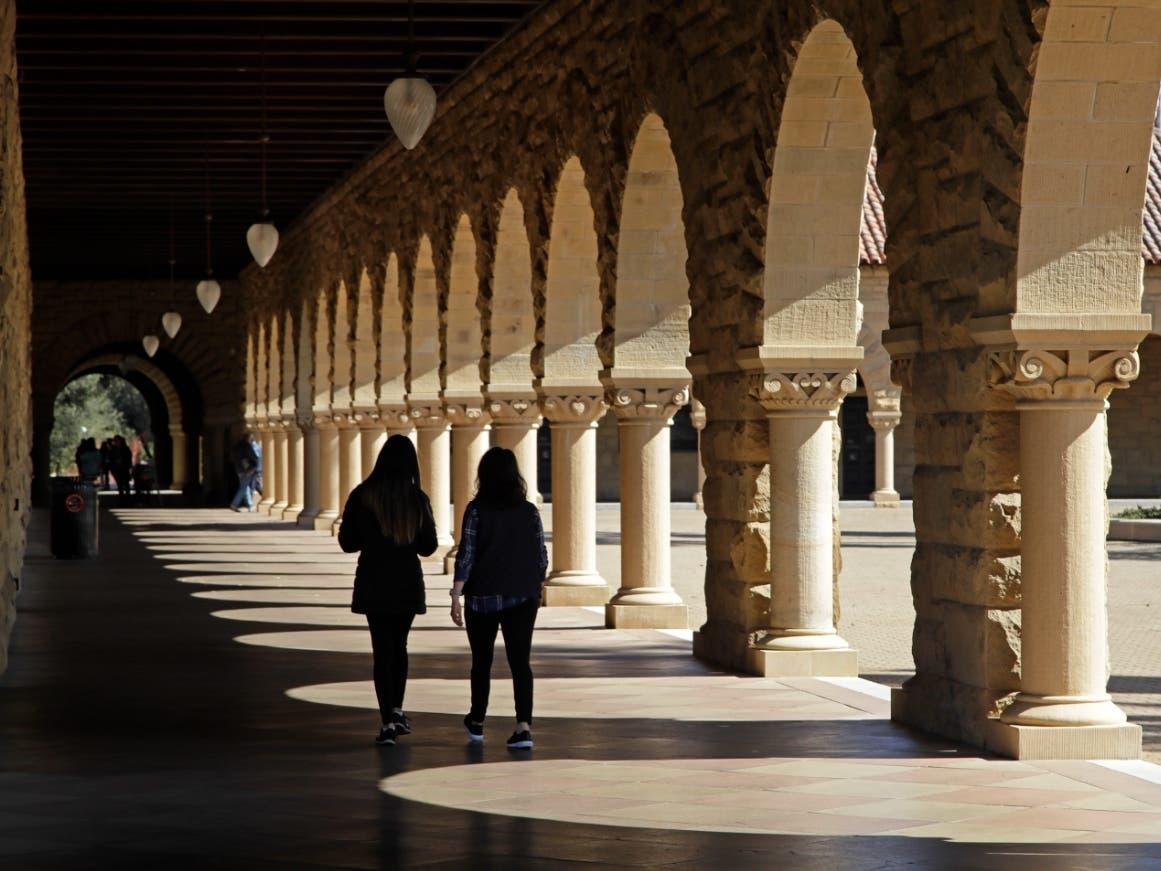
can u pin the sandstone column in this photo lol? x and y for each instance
(295, 471)
(515, 422)
(266, 440)
(801, 639)
(372, 437)
(574, 579)
(1064, 709)
(350, 462)
(180, 468)
(328, 472)
(697, 418)
(433, 444)
(311, 477)
(280, 478)
(883, 419)
(469, 441)
(646, 599)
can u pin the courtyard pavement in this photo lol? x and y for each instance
(199, 696)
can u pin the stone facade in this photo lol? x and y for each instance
(15, 342)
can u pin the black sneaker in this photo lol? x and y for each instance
(401, 723)
(520, 741)
(475, 730)
(386, 736)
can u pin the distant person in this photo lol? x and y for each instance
(89, 464)
(106, 450)
(500, 568)
(388, 520)
(245, 462)
(120, 467)
(256, 481)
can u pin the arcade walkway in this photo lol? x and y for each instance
(199, 697)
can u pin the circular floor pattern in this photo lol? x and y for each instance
(319, 640)
(286, 566)
(264, 580)
(276, 596)
(970, 800)
(297, 616)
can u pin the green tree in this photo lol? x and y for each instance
(94, 406)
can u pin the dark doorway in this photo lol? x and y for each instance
(857, 469)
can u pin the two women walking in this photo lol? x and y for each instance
(500, 567)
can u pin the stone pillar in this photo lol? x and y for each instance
(295, 471)
(350, 462)
(697, 418)
(433, 443)
(311, 478)
(801, 639)
(372, 437)
(328, 472)
(1063, 709)
(574, 579)
(269, 464)
(646, 599)
(280, 479)
(180, 468)
(515, 420)
(883, 419)
(469, 441)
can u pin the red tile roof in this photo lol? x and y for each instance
(873, 233)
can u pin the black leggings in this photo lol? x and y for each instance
(516, 624)
(389, 644)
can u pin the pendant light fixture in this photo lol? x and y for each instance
(410, 100)
(208, 290)
(262, 237)
(151, 343)
(171, 320)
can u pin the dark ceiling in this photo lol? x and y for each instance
(129, 106)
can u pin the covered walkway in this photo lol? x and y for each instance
(200, 696)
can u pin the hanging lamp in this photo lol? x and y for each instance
(151, 343)
(208, 290)
(410, 101)
(171, 320)
(262, 237)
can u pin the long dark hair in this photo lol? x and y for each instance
(392, 491)
(498, 479)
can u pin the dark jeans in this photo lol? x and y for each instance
(389, 644)
(516, 624)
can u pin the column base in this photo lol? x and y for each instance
(305, 519)
(338, 521)
(324, 520)
(1057, 712)
(885, 499)
(291, 513)
(449, 561)
(277, 509)
(802, 663)
(559, 592)
(1064, 742)
(265, 505)
(646, 616)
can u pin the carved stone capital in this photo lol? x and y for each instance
(466, 413)
(324, 419)
(304, 419)
(574, 408)
(427, 414)
(884, 421)
(629, 402)
(514, 410)
(697, 414)
(394, 416)
(805, 391)
(1073, 375)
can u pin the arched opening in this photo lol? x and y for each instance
(424, 380)
(94, 410)
(391, 375)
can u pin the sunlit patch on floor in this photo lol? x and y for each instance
(307, 581)
(297, 616)
(276, 596)
(322, 640)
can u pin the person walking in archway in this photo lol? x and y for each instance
(500, 569)
(388, 520)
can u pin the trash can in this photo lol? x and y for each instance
(73, 531)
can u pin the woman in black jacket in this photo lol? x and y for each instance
(500, 567)
(388, 520)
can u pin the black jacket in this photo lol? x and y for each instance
(509, 557)
(389, 578)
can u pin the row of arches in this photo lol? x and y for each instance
(722, 247)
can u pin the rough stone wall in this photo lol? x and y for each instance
(75, 321)
(15, 331)
(1134, 420)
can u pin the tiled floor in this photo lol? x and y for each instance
(199, 697)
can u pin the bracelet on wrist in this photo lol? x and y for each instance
(454, 594)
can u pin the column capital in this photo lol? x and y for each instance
(643, 402)
(576, 408)
(697, 414)
(1042, 375)
(819, 391)
(510, 410)
(394, 415)
(465, 412)
(884, 421)
(427, 413)
(304, 419)
(324, 418)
